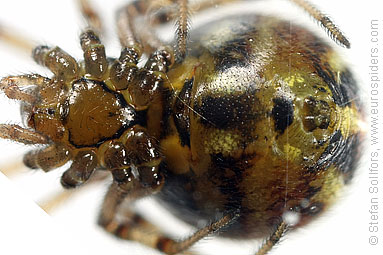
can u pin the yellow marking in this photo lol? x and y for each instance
(331, 183)
(221, 141)
(110, 85)
(291, 151)
(291, 80)
(349, 118)
(177, 157)
(178, 75)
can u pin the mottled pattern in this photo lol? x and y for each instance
(271, 128)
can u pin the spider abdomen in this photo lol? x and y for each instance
(262, 122)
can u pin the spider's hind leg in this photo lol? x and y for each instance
(134, 227)
(273, 239)
(325, 22)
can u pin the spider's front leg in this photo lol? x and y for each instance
(12, 88)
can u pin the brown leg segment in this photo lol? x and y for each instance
(129, 34)
(92, 18)
(61, 64)
(55, 201)
(168, 14)
(325, 21)
(170, 246)
(16, 40)
(273, 239)
(84, 164)
(48, 158)
(95, 60)
(182, 30)
(11, 86)
(113, 199)
(126, 28)
(138, 229)
(96, 64)
(21, 135)
(12, 168)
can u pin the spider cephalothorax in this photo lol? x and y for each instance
(94, 112)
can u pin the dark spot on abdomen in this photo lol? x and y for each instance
(283, 113)
(227, 112)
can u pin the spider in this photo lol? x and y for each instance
(130, 122)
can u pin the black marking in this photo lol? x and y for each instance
(351, 154)
(178, 196)
(313, 209)
(343, 93)
(328, 77)
(349, 88)
(312, 191)
(283, 113)
(234, 53)
(168, 107)
(332, 153)
(343, 153)
(321, 89)
(228, 112)
(227, 174)
(181, 112)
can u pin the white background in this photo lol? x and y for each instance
(24, 228)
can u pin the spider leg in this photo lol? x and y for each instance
(91, 16)
(60, 63)
(273, 239)
(13, 39)
(182, 31)
(129, 33)
(325, 21)
(21, 135)
(138, 229)
(11, 86)
(53, 202)
(48, 158)
(167, 14)
(96, 63)
(84, 164)
(12, 168)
